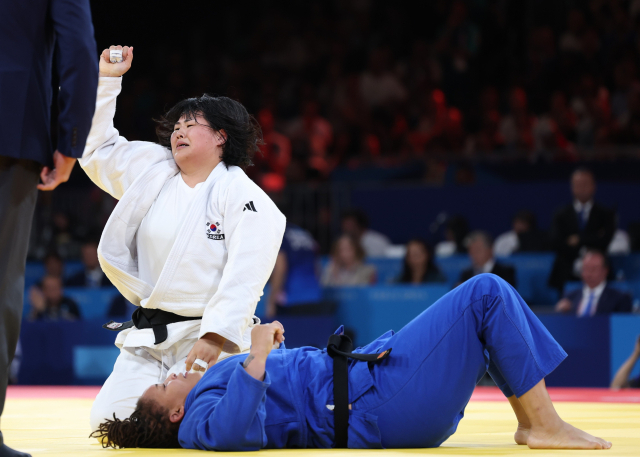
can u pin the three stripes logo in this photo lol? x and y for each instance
(250, 207)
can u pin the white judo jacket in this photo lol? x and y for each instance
(217, 274)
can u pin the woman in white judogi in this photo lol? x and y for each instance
(191, 236)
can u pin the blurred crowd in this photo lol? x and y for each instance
(583, 235)
(356, 82)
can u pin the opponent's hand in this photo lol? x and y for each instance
(115, 69)
(207, 349)
(264, 337)
(62, 167)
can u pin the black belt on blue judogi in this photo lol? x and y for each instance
(339, 348)
(156, 319)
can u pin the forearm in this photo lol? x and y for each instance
(621, 379)
(255, 365)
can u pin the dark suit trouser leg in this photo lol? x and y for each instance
(18, 193)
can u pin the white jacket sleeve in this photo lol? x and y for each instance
(253, 239)
(112, 162)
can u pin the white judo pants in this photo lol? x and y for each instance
(135, 370)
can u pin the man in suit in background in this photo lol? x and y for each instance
(595, 296)
(91, 275)
(579, 226)
(29, 34)
(480, 248)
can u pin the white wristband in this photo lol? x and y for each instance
(115, 55)
(202, 363)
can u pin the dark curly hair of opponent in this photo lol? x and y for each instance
(243, 132)
(148, 426)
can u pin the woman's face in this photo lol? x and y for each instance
(194, 143)
(173, 392)
(346, 252)
(417, 256)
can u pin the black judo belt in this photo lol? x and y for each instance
(155, 319)
(339, 348)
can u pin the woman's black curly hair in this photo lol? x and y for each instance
(148, 426)
(243, 132)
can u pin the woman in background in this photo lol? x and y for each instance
(419, 266)
(347, 267)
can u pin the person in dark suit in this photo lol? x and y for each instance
(595, 296)
(576, 227)
(91, 275)
(29, 34)
(480, 247)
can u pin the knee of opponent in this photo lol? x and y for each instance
(487, 284)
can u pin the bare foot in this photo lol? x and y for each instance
(564, 436)
(522, 434)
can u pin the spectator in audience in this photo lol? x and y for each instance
(579, 226)
(53, 265)
(482, 261)
(355, 223)
(378, 85)
(347, 267)
(294, 280)
(270, 166)
(91, 275)
(50, 303)
(595, 296)
(419, 267)
(523, 237)
(622, 378)
(455, 233)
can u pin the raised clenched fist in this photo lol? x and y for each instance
(116, 69)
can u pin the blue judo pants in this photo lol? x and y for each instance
(421, 390)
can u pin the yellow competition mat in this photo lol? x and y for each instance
(59, 427)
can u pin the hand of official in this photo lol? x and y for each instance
(115, 70)
(52, 177)
(207, 349)
(263, 339)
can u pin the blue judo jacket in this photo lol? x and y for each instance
(228, 410)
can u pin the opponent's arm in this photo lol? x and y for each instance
(263, 338)
(234, 421)
(112, 162)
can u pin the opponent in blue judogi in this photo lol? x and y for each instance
(412, 399)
